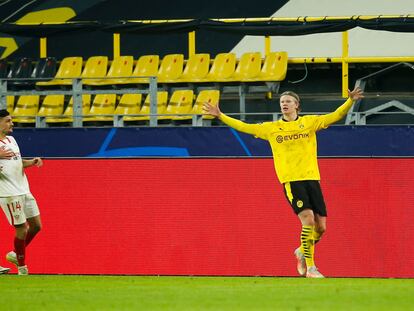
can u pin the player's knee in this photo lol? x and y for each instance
(320, 229)
(35, 228)
(35, 224)
(307, 218)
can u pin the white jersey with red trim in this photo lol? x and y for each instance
(13, 180)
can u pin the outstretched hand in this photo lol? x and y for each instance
(212, 110)
(356, 94)
(37, 162)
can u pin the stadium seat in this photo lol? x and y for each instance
(248, 68)
(102, 109)
(68, 114)
(205, 96)
(69, 68)
(95, 67)
(21, 69)
(171, 68)
(274, 67)
(45, 68)
(162, 100)
(181, 102)
(147, 65)
(10, 103)
(52, 106)
(223, 67)
(120, 67)
(129, 104)
(26, 109)
(196, 68)
(4, 69)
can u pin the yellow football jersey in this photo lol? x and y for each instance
(293, 143)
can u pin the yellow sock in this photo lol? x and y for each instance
(316, 236)
(306, 243)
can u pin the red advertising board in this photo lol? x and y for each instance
(215, 217)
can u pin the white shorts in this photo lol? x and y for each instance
(19, 208)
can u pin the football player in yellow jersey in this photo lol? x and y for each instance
(293, 143)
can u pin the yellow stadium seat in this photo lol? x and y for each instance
(171, 68)
(68, 114)
(120, 67)
(129, 104)
(147, 66)
(70, 67)
(26, 109)
(223, 67)
(102, 109)
(196, 68)
(162, 99)
(274, 67)
(181, 102)
(95, 67)
(52, 106)
(206, 96)
(10, 103)
(248, 68)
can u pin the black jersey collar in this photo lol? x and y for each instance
(297, 117)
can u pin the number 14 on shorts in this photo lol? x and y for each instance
(13, 206)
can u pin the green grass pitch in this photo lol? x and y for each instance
(73, 292)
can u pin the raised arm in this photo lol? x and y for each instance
(325, 120)
(213, 110)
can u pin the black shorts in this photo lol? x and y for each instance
(305, 194)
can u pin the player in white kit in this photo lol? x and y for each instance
(16, 201)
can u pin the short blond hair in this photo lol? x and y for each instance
(294, 95)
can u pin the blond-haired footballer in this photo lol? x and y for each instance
(16, 201)
(293, 143)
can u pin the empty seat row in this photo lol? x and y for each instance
(24, 68)
(172, 69)
(103, 107)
